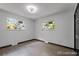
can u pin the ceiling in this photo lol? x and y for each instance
(44, 9)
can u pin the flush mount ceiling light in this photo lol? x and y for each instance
(31, 8)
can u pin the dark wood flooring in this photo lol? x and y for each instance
(36, 48)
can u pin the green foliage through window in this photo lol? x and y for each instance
(49, 25)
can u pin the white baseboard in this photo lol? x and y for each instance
(14, 44)
(46, 41)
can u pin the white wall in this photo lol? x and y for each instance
(13, 37)
(64, 34)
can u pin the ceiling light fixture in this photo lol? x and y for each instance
(31, 8)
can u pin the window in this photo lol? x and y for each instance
(49, 25)
(13, 24)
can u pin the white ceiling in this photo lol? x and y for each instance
(44, 9)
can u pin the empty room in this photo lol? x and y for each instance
(37, 29)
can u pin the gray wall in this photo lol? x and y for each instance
(64, 34)
(13, 37)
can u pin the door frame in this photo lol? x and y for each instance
(75, 48)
